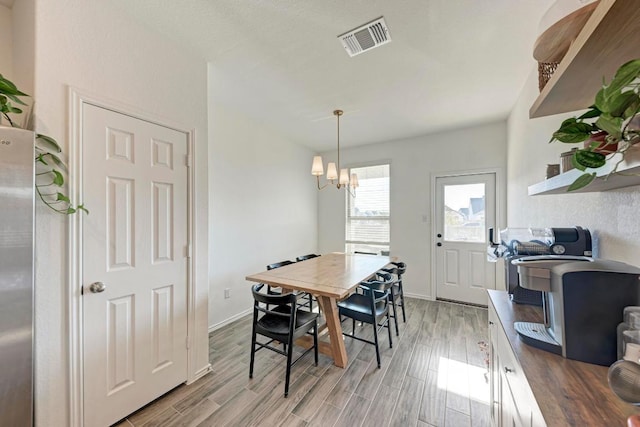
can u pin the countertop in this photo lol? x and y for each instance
(568, 392)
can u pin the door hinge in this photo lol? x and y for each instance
(188, 160)
(188, 251)
(187, 344)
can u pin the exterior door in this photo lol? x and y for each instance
(134, 261)
(465, 208)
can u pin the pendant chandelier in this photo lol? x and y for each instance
(343, 180)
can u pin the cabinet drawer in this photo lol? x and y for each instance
(515, 380)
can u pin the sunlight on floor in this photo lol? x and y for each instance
(463, 379)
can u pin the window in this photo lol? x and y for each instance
(367, 228)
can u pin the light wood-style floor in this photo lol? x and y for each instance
(433, 376)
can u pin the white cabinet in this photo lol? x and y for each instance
(512, 401)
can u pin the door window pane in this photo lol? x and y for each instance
(464, 213)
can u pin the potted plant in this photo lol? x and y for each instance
(608, 129)
(50, 168)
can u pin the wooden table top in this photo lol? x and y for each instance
(333, 275)
(568, 392)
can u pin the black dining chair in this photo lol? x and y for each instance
(270, 289)
(364, 253)
(306, 257)
(397, 292)
(372, 307)
(285, 323)
(305, 299)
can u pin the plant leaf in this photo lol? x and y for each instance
(582, 181)
(8, 88)
(40, 159)
(627, 73)
(62, 197)
(618, 104)
(591, 113)
(82, 208)
(590, 159)
(48, 142)
(15, 99)
(55, 159)
(575, 163)
(58, 179)
(611, 125)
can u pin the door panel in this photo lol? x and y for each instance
(465, 207)
(135, 242)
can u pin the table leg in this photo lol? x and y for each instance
(330, 309)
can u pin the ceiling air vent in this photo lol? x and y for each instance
(366, 37)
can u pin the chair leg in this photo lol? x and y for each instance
(375, 338)
(289, 356)
(353, 327)
(253, 348)
(395, 314)
(389, 329)
(315, 342)
(404, 317)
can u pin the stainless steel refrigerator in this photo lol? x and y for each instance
(16, 276)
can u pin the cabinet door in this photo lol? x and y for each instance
(494, 370)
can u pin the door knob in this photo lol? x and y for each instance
(97, 287)
(438, 244)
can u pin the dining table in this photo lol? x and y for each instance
(330, 278)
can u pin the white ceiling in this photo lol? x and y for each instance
(451, 63)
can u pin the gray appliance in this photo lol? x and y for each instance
(585, 301)
(516, 243)
(16, 276)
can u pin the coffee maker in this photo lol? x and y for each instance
(585, 299)
(516, 243)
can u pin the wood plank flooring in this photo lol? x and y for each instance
(433, 376)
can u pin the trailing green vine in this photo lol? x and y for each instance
(50, 169)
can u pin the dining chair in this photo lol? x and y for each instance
(306, 257)
(305, 298)
(285, 323)
(372, 307)
(270, 289)
(396, 293)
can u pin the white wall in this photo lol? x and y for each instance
(413, 161)
(611, 216)
(90, 45)
(263, 206)
(6, 44)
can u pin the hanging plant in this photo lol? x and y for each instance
(608, 129)
(50, 169)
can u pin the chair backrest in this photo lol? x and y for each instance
(306, 257)
(380, 287)
(399, 268)
(269, 299)
(279, 264)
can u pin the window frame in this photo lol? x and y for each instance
(387, 218)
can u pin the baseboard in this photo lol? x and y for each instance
(229, 320)
(201, 373)
(418, 296)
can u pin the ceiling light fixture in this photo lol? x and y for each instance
(317, 169)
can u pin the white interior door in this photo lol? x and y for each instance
(135, 243)
(465, 208)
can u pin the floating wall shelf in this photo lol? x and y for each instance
(610, 38)
(628, 175)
